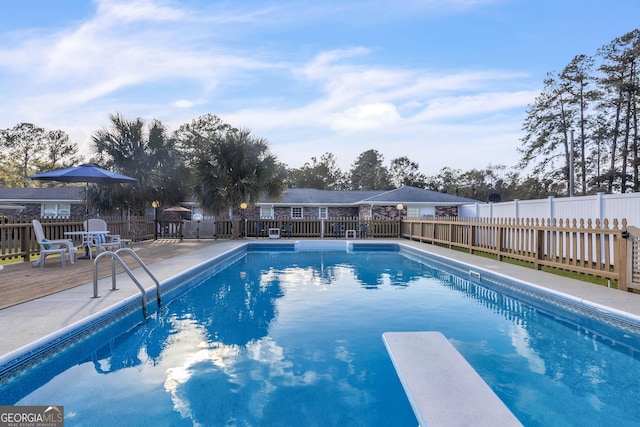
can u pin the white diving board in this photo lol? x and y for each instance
(443, 389)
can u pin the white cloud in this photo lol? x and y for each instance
(161, 60)
(365, 117)
(183, 103)
(127, 11)
(424, 114)
(462, 106)
(324, 63)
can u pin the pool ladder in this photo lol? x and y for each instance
(116, 258)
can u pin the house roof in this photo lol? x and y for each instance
(291, 197)
(311, 196)
(305, 196)
(416, 195)
(67, 193)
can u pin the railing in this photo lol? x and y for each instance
(321, 228)
(289, 228)
(115, 257)
(17, 239)
(601, 250)
(591, 248)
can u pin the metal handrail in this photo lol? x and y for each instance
(115, 257)
(145, 268)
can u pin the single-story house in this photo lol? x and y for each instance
(300, 203)
(295, 203)
(51, 202)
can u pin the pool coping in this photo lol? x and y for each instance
(592, 300)
(35, 322)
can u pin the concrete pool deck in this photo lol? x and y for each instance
(27, 322)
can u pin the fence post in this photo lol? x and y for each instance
(621, 260)
(540, 233)
(499, 239)
(600, 202)
(24, 243)
(632, 267)
(472, 237)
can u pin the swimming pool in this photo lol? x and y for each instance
(279, 337)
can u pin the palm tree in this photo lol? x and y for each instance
(145, 153)
(237, 168)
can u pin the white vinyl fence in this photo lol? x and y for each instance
(600, 206)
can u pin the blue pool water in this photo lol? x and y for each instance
(290, 339)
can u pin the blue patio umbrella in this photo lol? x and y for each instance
(87, 173)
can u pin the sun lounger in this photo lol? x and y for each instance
(61, 247)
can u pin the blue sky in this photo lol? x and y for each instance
(444, 82)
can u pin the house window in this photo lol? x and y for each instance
(197, 214)
(413, 212)
(296, 212)
(323, 213)
(266, 212)
(55, 210)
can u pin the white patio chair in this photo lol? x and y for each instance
(50, 247)
(100, 240)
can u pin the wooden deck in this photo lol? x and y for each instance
(21, 282)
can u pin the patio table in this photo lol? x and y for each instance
(85, 239)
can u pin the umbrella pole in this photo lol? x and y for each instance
(86, 218)
(86, 203)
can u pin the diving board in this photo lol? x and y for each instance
(443, 389)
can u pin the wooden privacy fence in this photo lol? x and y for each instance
(323, 228)
(598, 249)
(292, 228)
(592, 248)
(17, 239)
(633, 257)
